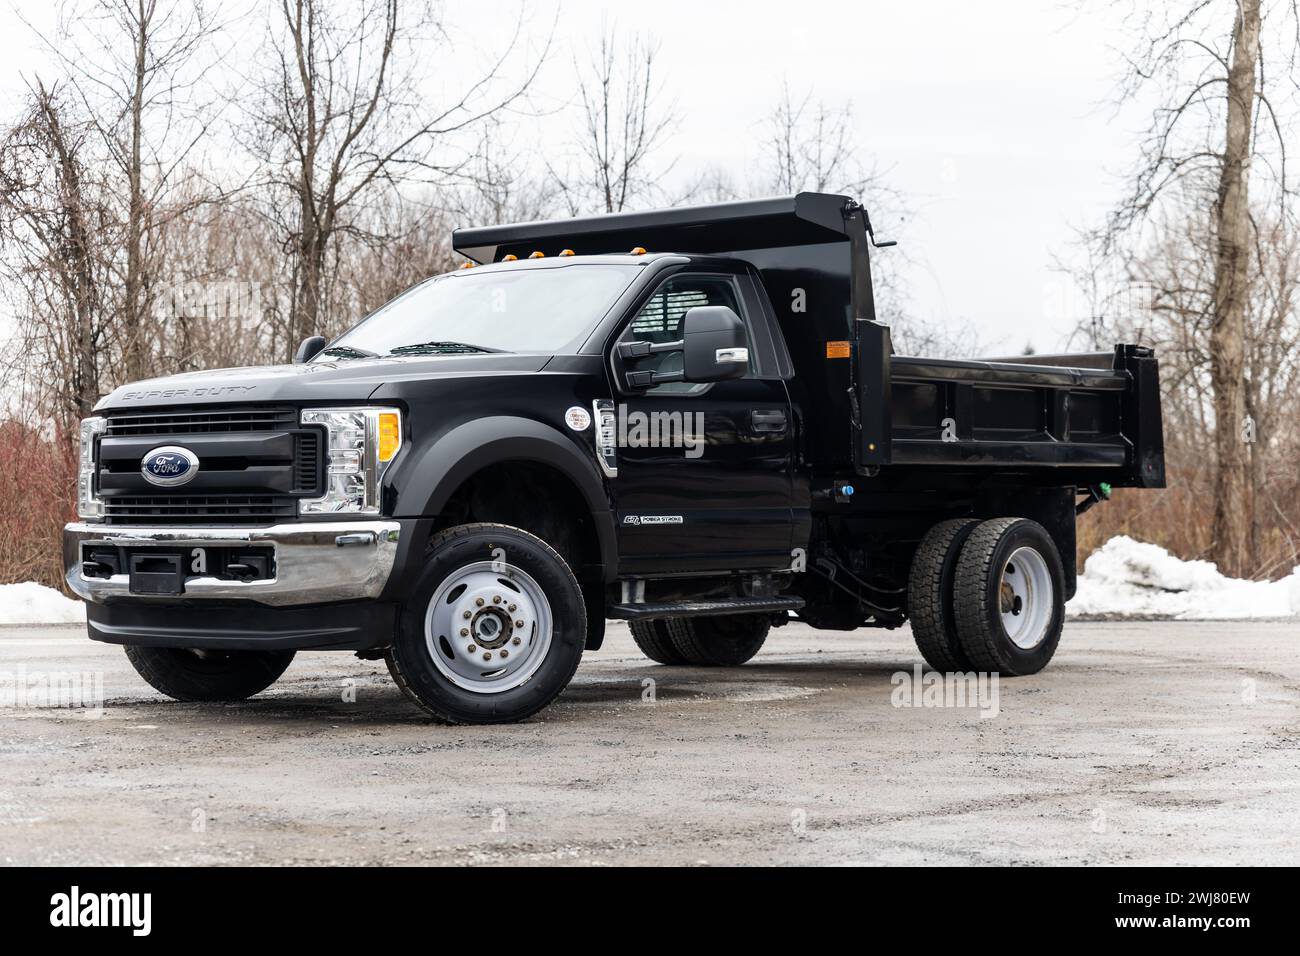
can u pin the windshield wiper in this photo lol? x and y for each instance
(347, 351)
(440, 348)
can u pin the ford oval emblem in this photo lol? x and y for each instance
(169, 465)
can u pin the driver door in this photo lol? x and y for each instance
(704, 469)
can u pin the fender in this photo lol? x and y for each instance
(429, 477)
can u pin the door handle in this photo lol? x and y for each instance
(767, 421)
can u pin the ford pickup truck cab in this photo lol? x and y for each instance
(706, 440)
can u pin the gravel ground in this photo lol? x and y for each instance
(1142, 743)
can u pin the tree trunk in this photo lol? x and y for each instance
(1232, 522)
(78, 265)
(131, 317)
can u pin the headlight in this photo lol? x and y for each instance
(89, 504)
(359, 445)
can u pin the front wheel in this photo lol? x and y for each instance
(200, 675)
(494, 630)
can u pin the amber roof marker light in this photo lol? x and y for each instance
(637, 251)
(566, 252)
(509, 257)
(467, 265)
(537, 255)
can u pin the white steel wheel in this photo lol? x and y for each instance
(1009, 597)
(488, 627)
(1026, 598)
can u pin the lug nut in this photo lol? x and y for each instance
(504, 653)
(487, 655)
(472, 648)
(515, 642)
(466, 615)
(464, 632)
(478, 602)
(496, 599)
(511, 609)
(519, 623)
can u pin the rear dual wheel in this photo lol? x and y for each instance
(987, 596)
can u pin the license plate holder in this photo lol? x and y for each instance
(157, 573)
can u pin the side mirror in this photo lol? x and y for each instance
(309, 348)
(712, 349)
(714, 344)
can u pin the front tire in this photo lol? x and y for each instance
(1009, 599)
(494, 630)
(205, 676)
(725, 641)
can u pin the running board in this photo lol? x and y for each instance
(752, 605)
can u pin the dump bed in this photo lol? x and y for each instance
(1092, 417)
(1089, 419)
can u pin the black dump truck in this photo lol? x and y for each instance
(688, 419)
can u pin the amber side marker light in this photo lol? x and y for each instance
(390, 435)
(538, 255)
(837, 350)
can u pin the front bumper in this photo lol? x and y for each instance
(315, 563)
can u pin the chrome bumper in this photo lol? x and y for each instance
(314, 563)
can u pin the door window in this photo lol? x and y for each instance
(660, 320)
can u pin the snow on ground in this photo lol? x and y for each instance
(1128, 579)
(32, 603)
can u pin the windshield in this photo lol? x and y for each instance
(508, 310)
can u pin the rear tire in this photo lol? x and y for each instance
(930, 595)
(204, 676)
(522, 613)
(655, 641)
(724, 641)
(1010, 597)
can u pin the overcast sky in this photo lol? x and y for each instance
(990, 118)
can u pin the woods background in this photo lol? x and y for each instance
(169, 203)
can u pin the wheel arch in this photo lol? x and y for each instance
(440, 471)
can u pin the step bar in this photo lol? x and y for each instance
(642, 611)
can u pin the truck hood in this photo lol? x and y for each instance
(351, 380)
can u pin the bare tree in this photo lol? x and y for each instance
(1217, 120)
(812, 146)
(53, 233)
(499, 184)
(625, 122)
(342, 116)
(137, 68)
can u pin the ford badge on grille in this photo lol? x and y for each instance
(169, 465)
